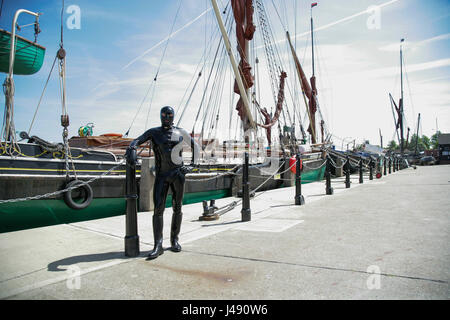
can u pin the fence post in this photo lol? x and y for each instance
(361, 179)
(299, 199)
(131, 228)
(245, 212)
(347, 172)
(328, 188)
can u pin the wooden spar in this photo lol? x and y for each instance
(234, 65)
(303, 82)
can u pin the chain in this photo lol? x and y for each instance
(230, 172)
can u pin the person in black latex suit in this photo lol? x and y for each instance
(167, 142)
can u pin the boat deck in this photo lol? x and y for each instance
(384, 239)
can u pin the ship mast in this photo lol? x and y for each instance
(237, 74)
(312, 39)
(401, 100)
(313, 101)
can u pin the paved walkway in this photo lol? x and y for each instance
(385, 239)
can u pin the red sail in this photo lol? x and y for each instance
(243, 15)
(270, 121)
(312, 109)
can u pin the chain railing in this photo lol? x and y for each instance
(58, 192)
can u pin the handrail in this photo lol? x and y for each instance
(13, 38)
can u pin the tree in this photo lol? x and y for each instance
(423, 143)
(392, 145)
(426, 142)
(434, 140)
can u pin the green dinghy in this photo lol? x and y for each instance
(29, 56)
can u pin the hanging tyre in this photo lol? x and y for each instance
(78, 198)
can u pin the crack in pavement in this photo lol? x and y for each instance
(315, 266)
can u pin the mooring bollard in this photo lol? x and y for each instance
(131, 229)
(371, 169)
(299, 199)
(384, 165)
(328, 188)
(224, 150)
(361, 180)
(245, 212)
(347, 173)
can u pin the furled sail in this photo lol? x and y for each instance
(243, 15)
(309, 90)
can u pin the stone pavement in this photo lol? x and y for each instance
(385, 239)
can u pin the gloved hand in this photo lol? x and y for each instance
(186, 169)
(131, 155)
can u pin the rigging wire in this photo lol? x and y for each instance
(42, 95)
(153, 83)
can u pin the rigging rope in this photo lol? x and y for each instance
(153, 83)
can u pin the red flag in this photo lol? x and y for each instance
(313, 4)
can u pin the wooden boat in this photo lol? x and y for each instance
(29, 56)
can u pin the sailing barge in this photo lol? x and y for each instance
(40, 181)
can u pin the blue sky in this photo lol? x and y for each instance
(113, 58)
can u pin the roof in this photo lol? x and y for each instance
(444, 138)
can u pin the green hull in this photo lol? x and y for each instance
(28, 58)
(313, 175)
(200, 196)
(40, 213)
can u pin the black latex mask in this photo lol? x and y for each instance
(167, 115)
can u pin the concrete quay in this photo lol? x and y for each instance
(387, 238)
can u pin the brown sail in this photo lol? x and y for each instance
(309, 90)
(243, 15)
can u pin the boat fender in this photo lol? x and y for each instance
(87, 195)
(294, 167)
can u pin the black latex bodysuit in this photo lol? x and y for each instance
(167, 143)
(170, 171)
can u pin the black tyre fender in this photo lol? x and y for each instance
(87, 199)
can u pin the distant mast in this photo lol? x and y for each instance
(312, 38)
(313, 102)
(401, 100)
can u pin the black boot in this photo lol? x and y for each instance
(175, 231)
(158, 221)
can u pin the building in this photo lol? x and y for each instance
(444, 148)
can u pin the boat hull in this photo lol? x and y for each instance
(29, 56)
(35, 172)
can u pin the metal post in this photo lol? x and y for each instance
(299, 199)
(328, 188)
(131, 229)
(245, 212)
(347, 173)
(361, 180)
(384, 165)
(371, 169)
(394, 166)
(224, 151)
